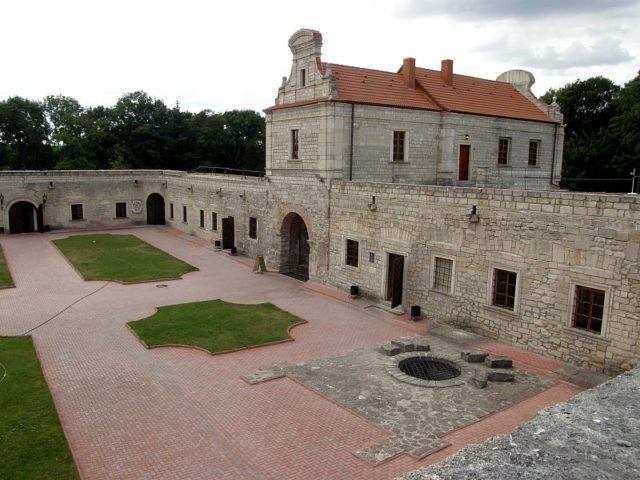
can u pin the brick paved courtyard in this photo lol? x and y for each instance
(174, 413)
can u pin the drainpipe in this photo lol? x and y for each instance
(553, 158)
(353, 106)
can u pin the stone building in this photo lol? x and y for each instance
(555, 272)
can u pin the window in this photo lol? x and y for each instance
(201, 218)
(121, 210)
(352, 253)
(504, 289)
(504, 151)
(171, 211)
(534, 148)
(398, 146)
(588, 309)
(442, 274)
(76, 212)
(214, 221)
(253, 227)
(294, 144)
(184, 213)
(303, 77)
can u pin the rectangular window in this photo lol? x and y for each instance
(76, 212)
(352, 253)
(184, 213)
(398, 146)
(294, 144)
(504, 289)
(442, 274)
(214, 221)
(303, 77)
(504, 151)
(121, 210)
(201, 218)
(253, 227)
(171, 211)
(534, 149)
(588, 309)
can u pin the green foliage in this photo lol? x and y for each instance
(215, 325)
(137, 132)
(122, 258)
(5, 275)
(32, 444)
(626, 127)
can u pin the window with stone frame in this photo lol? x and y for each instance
(588, 309)
(399, 147)
(351, 257)
(201, 218)
(534, 151)
(504, 151)
(121, 209)
(76, 212)
(214, 221)
(171, 211)
(504, 289)
(303, 77)
(253, 227)
(184, 213)
(295, 144)
(442, 274)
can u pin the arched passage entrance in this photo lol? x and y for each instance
(155, 209)
(25, 217)
(295, 246)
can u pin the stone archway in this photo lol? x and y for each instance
(294, 251)
(25, 217)
(155, 209)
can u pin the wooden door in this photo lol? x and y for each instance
(463, 162)
(228, 233)
(395, 277)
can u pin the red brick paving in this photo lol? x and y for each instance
(181, 413)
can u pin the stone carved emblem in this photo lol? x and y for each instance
(136, 206)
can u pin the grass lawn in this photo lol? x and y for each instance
(122, 258)
(215, 325)
(5, 275)
(32, 445)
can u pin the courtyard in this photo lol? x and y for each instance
(175, 412)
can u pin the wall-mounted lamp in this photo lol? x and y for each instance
(372, 206)
(219, 192)
(472, 216)
(190, 188)
(50, 184)
(320, 178)
(164, 184)
(243, 195)
(466, 136)
(1, 201)
(44, 198)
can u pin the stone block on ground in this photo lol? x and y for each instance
(422, 347)
(473, 356)
(405, 345)
(390, 349)
(500, 376)
(498, 361)
(478, 379)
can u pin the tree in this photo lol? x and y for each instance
(626, 126)
(245, 130)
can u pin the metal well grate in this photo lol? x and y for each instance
(427, 368)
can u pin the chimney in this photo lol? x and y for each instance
(446, 71)
(409, 72)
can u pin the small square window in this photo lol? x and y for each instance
(76, 212)
(294, 144)
(534, 151)
(504, 289)
(398, 146)
(171, 211)
(352, 253)
(214, 221)
(588, 309)
(504, 151)
(184, 213)
(442, 274)
(253, 227)
(121, 210)
(201, 218)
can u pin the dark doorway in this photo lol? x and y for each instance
(463, 162)
(295, 246)
(155, 209)
(24, 217)
(228, 233)
(395, 277)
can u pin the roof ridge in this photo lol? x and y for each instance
(362, 68)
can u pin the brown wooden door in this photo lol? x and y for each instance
(228, 233)
(395, 277)
(463, 162)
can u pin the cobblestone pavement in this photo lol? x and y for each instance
(174, 413)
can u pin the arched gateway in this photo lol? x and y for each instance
(25, 217)
(295, 246)
(155, 209)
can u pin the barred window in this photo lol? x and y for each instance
(76, 212)
(214, 221)
(201, 218)
(294, 144)
(504, 151)
(184, 213)
(504, 288)
(588, 309)
(398, 146)
(352, 253)
(534, 149)
(442, 274)
(253, 227)
(121, 210)
(171, 211)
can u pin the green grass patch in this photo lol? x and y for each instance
(122, 258)
(32, 444)
(215, 325)
(5, 275)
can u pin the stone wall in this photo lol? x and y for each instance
(552, 241)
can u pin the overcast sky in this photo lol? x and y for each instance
(233, 54)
